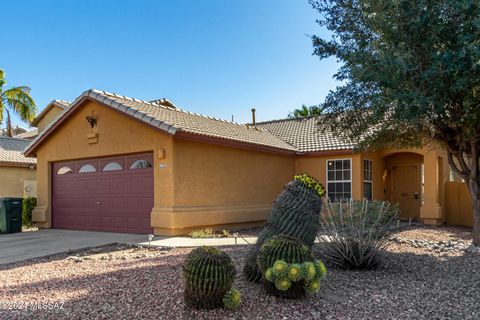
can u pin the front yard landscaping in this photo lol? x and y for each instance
(414, 281)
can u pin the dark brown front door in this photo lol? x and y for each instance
(406, 189)
(105, 194)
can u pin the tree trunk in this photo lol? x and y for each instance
(9, 125)
(474, 187)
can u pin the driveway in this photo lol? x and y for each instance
(27, 245)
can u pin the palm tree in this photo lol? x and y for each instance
(305, 111)
(18, 100)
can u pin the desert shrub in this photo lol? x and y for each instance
(295, 213)
(209, 274)
(354, 232)
(28, 204)
(289, 268)
(204, 233)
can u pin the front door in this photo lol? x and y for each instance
(405, 189)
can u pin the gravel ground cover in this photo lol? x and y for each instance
(120, 282)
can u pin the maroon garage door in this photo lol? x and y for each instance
(105, 194)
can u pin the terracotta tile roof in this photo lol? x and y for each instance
(305, 135)
(290, 135)
(11, 152)
(171, 119)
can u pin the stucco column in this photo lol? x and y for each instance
(431, 211)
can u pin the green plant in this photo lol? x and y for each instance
(353, 232)
(295, 213)
(204, 233)
(311, 182)
(232, 299)
(288, 267)
(209, 274)
(226, 233)
(28, 204)
(17, 100)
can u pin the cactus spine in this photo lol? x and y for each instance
(286, 264)
(209, 274)
(295, 213)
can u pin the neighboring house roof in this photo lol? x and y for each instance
(11, 152)
(171, 120)
(29, 135)
(305, 135)
(55, 103)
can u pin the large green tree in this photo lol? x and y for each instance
(15, 99)
(410, 73)
(305, 111)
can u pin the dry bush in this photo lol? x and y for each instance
(353, 232)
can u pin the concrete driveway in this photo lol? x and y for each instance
(27, 245)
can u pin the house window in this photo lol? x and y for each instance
(87, 169)
(367, 179)
(112, 166)
(339, 179)
(64, 170)
(140, 164)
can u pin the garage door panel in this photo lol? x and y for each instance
(105, 197)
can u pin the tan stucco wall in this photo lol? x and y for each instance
(117, 134)
(217, 186)
(12, 180)
(48, 117)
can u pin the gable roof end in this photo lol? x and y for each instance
(58, 103)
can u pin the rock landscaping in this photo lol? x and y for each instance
(121, 282)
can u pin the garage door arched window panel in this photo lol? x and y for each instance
(64, 170)
(112, 166)
(140, 164)
(87, 168)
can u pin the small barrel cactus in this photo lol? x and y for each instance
(232, 299)
(296, 213)
(289, 268)
(209, 274)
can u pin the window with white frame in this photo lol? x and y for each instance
(367, 179)
(339, 179)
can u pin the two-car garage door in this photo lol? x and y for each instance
(106, 194)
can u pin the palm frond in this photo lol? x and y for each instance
(19, 99)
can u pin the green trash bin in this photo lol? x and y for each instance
(10, 215)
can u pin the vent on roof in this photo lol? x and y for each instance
(164, 102)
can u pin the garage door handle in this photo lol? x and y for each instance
(98, 203)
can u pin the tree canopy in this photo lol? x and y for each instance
(305, 111)
(18, 100)
(410, 72)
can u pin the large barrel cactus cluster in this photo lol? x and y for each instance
(295, 213)
(209, 274)
(289, 268)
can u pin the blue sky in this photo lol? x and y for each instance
(215, 57)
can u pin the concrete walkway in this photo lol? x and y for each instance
(27, 245)
(185, 242)
(17, 247)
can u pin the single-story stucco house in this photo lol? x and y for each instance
(17, 172)
(113, 163)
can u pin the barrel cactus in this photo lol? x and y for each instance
(289, 268)
(295, 213)
(209, 274)
(232, 299)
